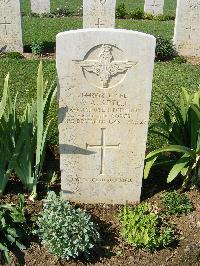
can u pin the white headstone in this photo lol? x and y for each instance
(104, 81)
(187, 28)
(40, 6)
(10, 26)
(99, 13)
(154, 7)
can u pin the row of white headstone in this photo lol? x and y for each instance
(101, 14)
(151, 6)
(154, 7)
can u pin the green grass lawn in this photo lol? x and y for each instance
(74, 5)
(45, 29)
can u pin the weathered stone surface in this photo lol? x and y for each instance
(104, 85)
(154, 7)
(187, 28)
(99, 13)
(40, 6)
(10, 26)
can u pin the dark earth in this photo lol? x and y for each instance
(114, 251)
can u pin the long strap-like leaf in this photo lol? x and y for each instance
(173, 148)
(178, 167)
(149, 163)
(40, 109)
(5, 97)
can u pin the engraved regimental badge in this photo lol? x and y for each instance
(103, 67)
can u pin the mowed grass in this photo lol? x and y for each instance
(45, 29)
(75, 5)
(169, 78)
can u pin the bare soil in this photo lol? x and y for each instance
(30, 56)
(114, 251)
(193, 60)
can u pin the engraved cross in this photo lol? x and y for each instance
(99, 23)
(103, 148)
(155, 4)
(5, 25)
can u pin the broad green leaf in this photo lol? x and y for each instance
(10, 238)
(149, 163)
(3, 246)
(40, 109)
(196, 98)
(20, 246)
(198, 142)
(12, 232)
(184, 103)
(184, 171)
(194, 123)
(49, 99)
(173, 148)
(43, 144)
(5, 97)
(6, 256)
(177, 168)
(196, 110)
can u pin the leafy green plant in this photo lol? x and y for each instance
(13, 227)
(180, 59)
(47, 15)
(51, 178)
(9, 130)
(176, 203)
(66, 231)
(121, 11)
(136, 14)
(148, 16)
(23, 138)
(30, 146)
(164, 49)
(37, 48)
(35, 15)
(164, 17)
(62, 12)
(181, 129)
(143, 227)
(14, 55)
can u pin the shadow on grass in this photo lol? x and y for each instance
(47, 47)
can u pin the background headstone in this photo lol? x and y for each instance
(99, 13)
(104, 83)
(10, 26)
(40, 6)
(154, 7)
(187, 28)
